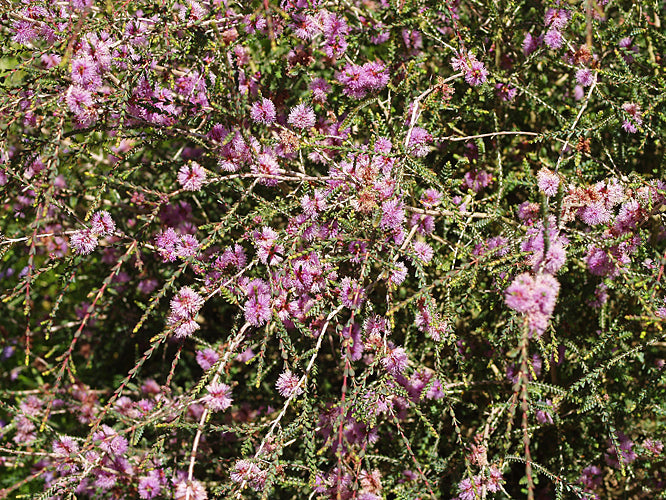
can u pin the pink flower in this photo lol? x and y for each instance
(302, 116)
(535, 297)
(191, 176)
(419, 142)
(431, 198)
(266, 165)
(183, 327)
(395, 361)
(474, 70)
(476, 73)
(548, 182)
(554, 258)
(288, 384)
(423, 251)
(84, 73)
(65, 446)
(246, 471)
(553, 39)
(83, 242)
(635, 117)
(166, 243)
(186, 303)
(186, 246)
(585, 77)
(393, 214)
(476, 180)
(79, 101)
(207, 358)
(320, 89)
(398, 274)
(102, 224)
(190, 490)
(110, 441)
(595, 213)
(352, 293)
(315, 204)
(263, 111)
(557, 18)
(150, 486)
(470, 488)
(258, 309)
(531, 43)
(219, 397)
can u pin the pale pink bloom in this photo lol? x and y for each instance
(102, 224)
(288, 384)
(83, 242)
(186, 303)
(191, 490)
(219, 397)
(302, 116)
(548, 182)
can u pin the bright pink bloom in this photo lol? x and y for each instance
(186, 303)
(535, 297)
(423, 251)
(352, 293)
(393, 214)
(263, 111)
(395, 361)
(553, 39)
(191, 176)
(419, 142)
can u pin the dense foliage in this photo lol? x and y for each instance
(370, 249)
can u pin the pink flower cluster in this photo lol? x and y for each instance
(534, 296)
(191, 176)
(184, 308)
(288, 384)
(547, 247)
(85, 241)
(171, 245)
(479, 486)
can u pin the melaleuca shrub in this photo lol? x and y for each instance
(307, 249)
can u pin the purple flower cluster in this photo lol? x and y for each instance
(358, 81)
(288, 384)
(258, 305)
(475, 487)
(555, 20)
(474, 71)
(263, 111)
(635, 118)
(191, 176)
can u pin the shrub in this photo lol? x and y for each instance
(392, 249)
